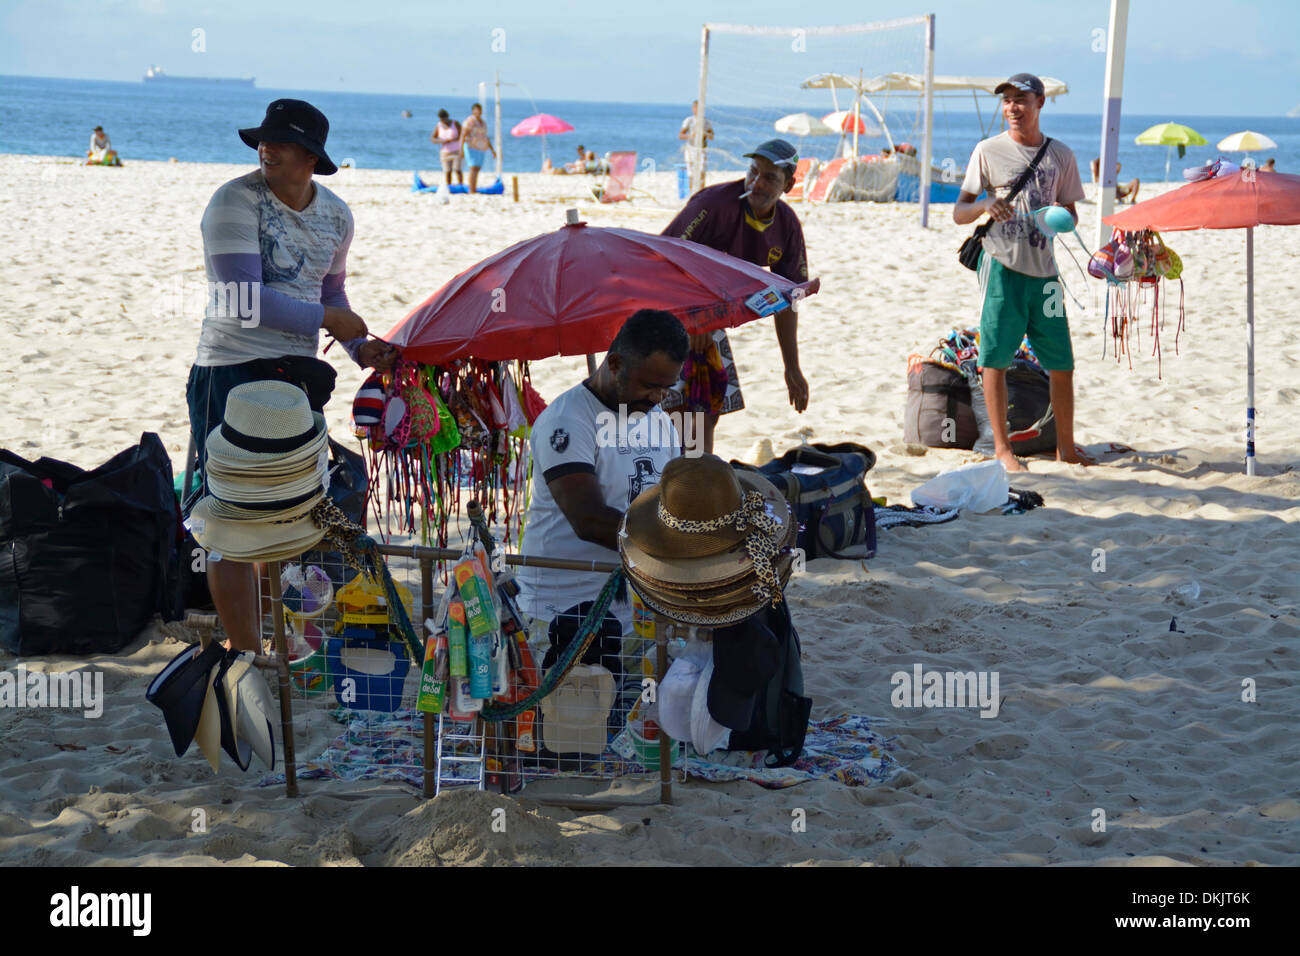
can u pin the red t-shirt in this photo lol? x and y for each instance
(717, 217)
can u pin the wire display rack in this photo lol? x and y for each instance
(347, 669)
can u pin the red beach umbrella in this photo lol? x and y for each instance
(1241, 199)
(568, 292)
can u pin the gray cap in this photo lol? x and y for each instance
(777, 151)
(1023, 81)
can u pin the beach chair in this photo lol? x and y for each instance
(801, 173)
(824, 180)
(618, 184)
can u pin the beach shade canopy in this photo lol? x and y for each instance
(568, 292)
(540, 125)
(1240, 199)
(1171, 135)
(803, 124)
(1245, 142)
(845, 120)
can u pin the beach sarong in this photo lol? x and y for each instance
(391, 747)
(732, 400)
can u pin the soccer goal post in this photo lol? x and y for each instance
(812, 86)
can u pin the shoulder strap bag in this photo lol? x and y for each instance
(969, 253)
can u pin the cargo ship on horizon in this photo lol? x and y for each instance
(155, 74)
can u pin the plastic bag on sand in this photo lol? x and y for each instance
(980, 486)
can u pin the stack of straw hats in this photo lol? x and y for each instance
(708, 545)
(267, 467)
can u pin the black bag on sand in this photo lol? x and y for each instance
(86, 557)
(1030, 420)
(827, 488)
(1031, 425)
(779, 721)
(939, 413)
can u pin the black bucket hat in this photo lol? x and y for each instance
(294, 121)
(179, 691)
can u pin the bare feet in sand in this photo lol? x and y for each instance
(1080, 457)
(1010, 462)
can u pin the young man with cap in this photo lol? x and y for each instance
(747, 219)
(1022, 293)
(275, 247)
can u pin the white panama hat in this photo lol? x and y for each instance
(267, 422)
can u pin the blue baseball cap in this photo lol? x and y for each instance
(1023, 81)
(777, 151)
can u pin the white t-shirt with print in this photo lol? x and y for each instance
(298, 248)
(995, 165)
(578, 433)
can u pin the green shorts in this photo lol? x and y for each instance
(1016, 305)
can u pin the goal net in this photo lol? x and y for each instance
(757, 83)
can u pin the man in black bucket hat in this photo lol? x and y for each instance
(294, 121)
(275, 245)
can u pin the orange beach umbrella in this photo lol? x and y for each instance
(1240, 199)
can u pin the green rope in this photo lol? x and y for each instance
(568, 657)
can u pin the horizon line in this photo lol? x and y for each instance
(140, 83)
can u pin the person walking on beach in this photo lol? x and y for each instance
(1022, 293)
(447, 135)
(474, 142)
(282, 240)
(747, 219)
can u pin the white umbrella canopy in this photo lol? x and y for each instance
(1246, 141)
(803, 124)
(845, 120)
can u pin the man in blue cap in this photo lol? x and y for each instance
(1022, 293)
(275, 246)
(747, 219)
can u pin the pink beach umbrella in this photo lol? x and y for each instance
(540, 125)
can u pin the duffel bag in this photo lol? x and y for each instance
(1030, 422)
(827, 489)
(939, 413)
(86, 557)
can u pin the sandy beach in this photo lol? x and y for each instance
(1105, 707)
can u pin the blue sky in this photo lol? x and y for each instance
(1185, 57)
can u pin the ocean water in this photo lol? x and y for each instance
(197, 124)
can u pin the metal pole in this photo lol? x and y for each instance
(286, 704)
(696, 159)
(927, 135)
(430, 736)
(1250, 350)
(518, 560)
(496, 129)
(665, 742)
(1116, 40)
